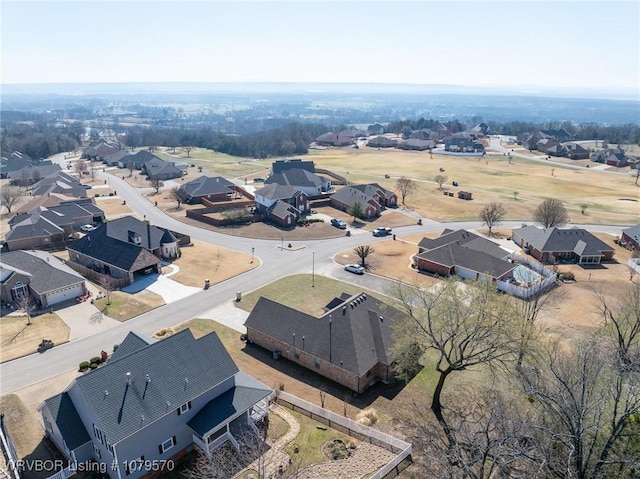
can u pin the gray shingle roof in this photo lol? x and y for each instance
(451, 255)
(68, 421)
(349, 195)
(113, 243)
(549, 240)
(180, 369)
(48, 273)
(633, 232)
(205, 185)
(246, 392)
(281, 209)
(31, 226)
(275, 191)
(297, 177)
(279, 166)
(359, 338)
(131, 344)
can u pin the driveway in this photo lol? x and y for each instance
(161, 284)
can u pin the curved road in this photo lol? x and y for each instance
(316, 255)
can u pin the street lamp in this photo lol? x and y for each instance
(313, 270)
(252, 251)
(330, 323)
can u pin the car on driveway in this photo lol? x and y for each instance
(87, 227)
(381, 231)
(338, 223)
(354, 268)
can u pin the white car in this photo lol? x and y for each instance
(87, 227)
(354, 268)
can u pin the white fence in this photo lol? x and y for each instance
(65, 473)
(634, 264)
(9, 451)
(526, 292)
(354, 429)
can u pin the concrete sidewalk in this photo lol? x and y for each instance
(228, 315)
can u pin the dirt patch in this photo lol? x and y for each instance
(18, 339)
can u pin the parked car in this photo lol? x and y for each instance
(354, 268)
(381, 231)
(338, 223)
(87, 227)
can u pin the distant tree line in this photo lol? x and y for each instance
(38, 137)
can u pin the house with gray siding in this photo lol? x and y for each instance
(151, 403)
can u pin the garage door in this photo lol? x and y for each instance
(63, 294)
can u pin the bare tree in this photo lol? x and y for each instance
(622, 322)
(551, 212)
(363, 252)
(323, 396)
(106, 282)
(80, 168)
(131, 166)
(235, 215)
(26, 303)
(440, 179)
(515, 195)
(583, 207)
(180, 194)
(93, 169)
(188, 150)
(588, 400)
(492, 214)
(10, 195)
(465, 324)
(405, 186)
(636, 174)
(156, 183)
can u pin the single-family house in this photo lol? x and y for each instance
(59, 182)
(124, 248)
(50, 227)
(351, 343)
(465, 254)
(372, 197)
(417, 144)
(153, 402)
(301, 179)
(114, 158)
(281, 203)
(611, 156)
(631, 237)
(30, 174)
(382, 142)
(463, 143)
(101, 149)
(334, 139)
(353, 132)
(137, 160)
(40, 275)
(571, 150)
(553, 245)
(214, 188)
(48, 200)
(280, 166)
(158, 169)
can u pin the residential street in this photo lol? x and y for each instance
(312, 256)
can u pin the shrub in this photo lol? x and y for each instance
(368, 417)
(84, 365)
(111, 194)
(115, 347)
(93, 365)
(96, 359)
(567, 276)
(309, 221)
(243, 337)
(97, 195)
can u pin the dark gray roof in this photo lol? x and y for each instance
(34, 171)
(31, 226)
(68, 421)
(556, 240)
(448, 237)
(297, 177)
(275, 191)
(370, 189)
(131, 344)
(452, 255)
(382, 141)
(281, 209)
(114, 242)
(48, 272)
(359, 337)
(279, 166)
(229, 405)
(157, 166)
(180, 369)
(205, 185)
(633, 232)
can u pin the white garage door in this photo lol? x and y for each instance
(63, 294)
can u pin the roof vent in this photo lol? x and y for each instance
(148, 379)
(344, 310)
(106, 393)
(128, 378)
(381, 319)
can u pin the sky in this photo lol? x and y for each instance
(515, 44)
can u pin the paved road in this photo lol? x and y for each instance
(315, 256)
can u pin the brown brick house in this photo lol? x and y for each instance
(349, 344)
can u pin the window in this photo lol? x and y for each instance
(318, 363)
(168, 444)
(184, 408)
(98, 434)
(96, 451)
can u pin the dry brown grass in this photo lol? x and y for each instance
(19, 339)
(209, 261)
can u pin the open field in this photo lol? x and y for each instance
(489, 179)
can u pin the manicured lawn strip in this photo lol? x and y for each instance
(126, 306)
(17, 339)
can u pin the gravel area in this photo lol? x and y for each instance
(366, 458)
